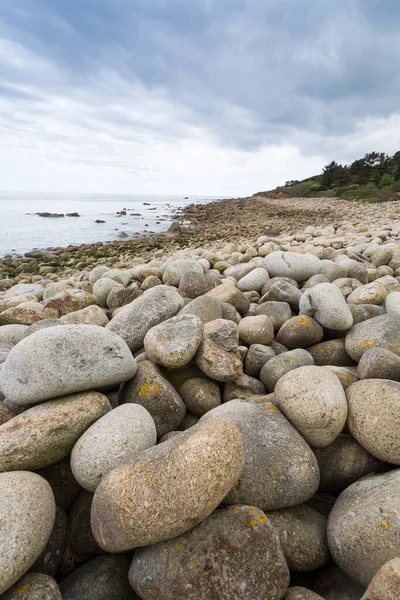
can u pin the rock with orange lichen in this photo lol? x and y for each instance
(378, 332)
(280, 469)
(234, 553)
(300, 332)
(150, 389)
(364, 526)
(169, 489)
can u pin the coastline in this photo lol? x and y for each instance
(209, 226)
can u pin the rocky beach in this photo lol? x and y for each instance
(209, 413)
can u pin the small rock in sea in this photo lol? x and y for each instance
(73, 214)
(99, 221)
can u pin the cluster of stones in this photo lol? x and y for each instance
(216, 425)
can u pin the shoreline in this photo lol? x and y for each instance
(203, 225)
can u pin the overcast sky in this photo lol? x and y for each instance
(218, 97)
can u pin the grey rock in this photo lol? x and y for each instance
(44, 324)
(300, 332)
(70, 359)
(203, 307)
(236, 548)
(20, 289)
(302, 534)
(178, 268)
(334, 584)
(243, 387)
(256, 330)
(313, 400)
(378, 332)
(299, 267)
(97, 272)
(363, 528)
(253, 281)
(195, 284)
(278, 312)
(230, 313)
(282, 291)
(80, 536)
(343, 462)
(331, 352)
(64, 485)
(379, 363)
(173, 343)
(325, 304)
(279, 467)
(374, 414)
(300, 593)
(34, 586)
(102, 289)
(47, 432)
(227, 292)
(386, 583)
(218, 364)
(200, 395)
(154, 392)
(27, 512)
(66, 302)
(137, 318)
(168, 489)
(223, 333)
(256, 357)
(281, 364)
(118, 296)
(346, 375)
(51, 556)
(103, 578)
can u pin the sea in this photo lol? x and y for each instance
(22, 229)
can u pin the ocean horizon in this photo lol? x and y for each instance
(22, 230)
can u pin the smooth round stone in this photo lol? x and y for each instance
(347, 285)
(44, 324)
(386, 583)
(115, 439)
(230, 313)
(256, 330)
(174, 343)
(343, 462)
(363, 312)
(325, 304)
(23, 314)
(334, 584)
(240, 271)
(51, 557)
(256, 357)
(372, 293)
(205, 308)
(227, 292)
(103, 287)
(156, 394)
(150, 282)
(20, 289)
(253, 281)
(346, 375)
(331, 352)
(300, 332)
(234, 549)
(102, 578)
(47, 432)
(34, 586)
(123, 276)
(137, 318)
(80, 536)
(392, 303)
(91, 315)
(330, 269)
(119, 297)
(314, 280)
(279, 467)
(97, 272)
(379, 363)
(299, 267)
(313, 400)
(300, 593)
(363, 527)
(27, 513)
(58, 286)
(281, 364)
(374, 414)
(62, 360)
(218, 364)
(200, 395)
(10, 335)
(302, 534)
(278, 312)
(168, 489)
(178, 268)
(62, 482)
(194, 285)
(378, 332)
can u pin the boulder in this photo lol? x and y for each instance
(173, 343)
(256, 330)
(325, 304)
(299, 267)
(200, 395)
(216, 363)
(379, 332)
(300, 332)
(281, 364)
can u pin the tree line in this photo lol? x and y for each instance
(376, 167)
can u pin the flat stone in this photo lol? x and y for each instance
(47, 432)
(169, 489)
(115, 439)
(27, 512)
(62, 360)
(156, 394)
(279, 467)
(299, 267)
(137, 318)
(236, 548)
(313, 400)
(173, 343)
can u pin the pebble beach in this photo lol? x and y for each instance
(206, 413)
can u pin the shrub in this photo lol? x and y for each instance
(386, 180)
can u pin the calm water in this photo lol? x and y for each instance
(21, 230)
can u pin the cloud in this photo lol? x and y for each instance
(210, 97)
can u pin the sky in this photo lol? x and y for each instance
(192, 97)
